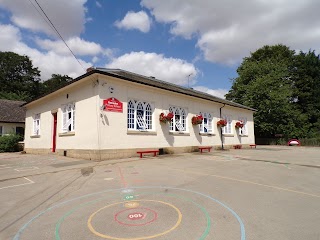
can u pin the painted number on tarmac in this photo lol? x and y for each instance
(129, 197)
(136, 216)
(131, 204)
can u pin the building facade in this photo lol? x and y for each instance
(12, 117)
(106, 114)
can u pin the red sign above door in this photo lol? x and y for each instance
(112, 105)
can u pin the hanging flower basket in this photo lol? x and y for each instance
(166, 118)
(239, 124)
(222, 123)
(197, 119)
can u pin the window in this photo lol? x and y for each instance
(68, 117)
(1, 131)
(244, 129)
(206, 125)
(36, 124)
(139, 115)
(20, 131)
(228, 128)
(178, 123)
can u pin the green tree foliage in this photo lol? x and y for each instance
(281, 86)
(307, 89)
(19, 80)
(9, 143)
(55, 82)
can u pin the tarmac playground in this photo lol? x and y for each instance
(241, 194)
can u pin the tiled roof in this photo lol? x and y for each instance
(151, 81)
(11, 111)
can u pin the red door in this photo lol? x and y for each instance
(54, 135)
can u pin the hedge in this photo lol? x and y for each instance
(9, 143)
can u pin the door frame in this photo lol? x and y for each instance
(54, 133)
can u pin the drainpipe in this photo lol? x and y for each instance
(222, 147)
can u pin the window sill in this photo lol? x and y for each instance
(137, 132)
(35, 136)
(244, 135)
(179, 133)
(228, 134)
(207, 134)
(67, 134)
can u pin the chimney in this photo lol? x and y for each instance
(90, 69)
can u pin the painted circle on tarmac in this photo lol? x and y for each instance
(136, 216)
(91, 228)
(203, 236)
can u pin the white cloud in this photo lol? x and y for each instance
(135, 20)
(95, 59)
(67, 16)
(228, 30)
(47, 62)
(151, 64)
(79, 46)
(98, 4)
(215, 92)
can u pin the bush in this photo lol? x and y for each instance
(9, 143)
(310, 141)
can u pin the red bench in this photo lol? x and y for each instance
(205, 148)
(253, 145)
(237, 146)
(148, 151)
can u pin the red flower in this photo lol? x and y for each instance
(197, 119)
(222, 123)
(165, 118)
(170, 116)
(239, 124)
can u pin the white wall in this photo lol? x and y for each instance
(113, 125)
(8, 128)
(86, 99)
(235, 137)
(98, 129)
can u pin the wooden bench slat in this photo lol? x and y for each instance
(148, 151)
(203, 148)
(237, 146)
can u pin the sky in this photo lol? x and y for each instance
(198, 44)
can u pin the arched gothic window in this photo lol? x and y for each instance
(139, 115)
(178, 123)
(206, 125)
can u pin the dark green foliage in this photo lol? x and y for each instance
(310, 142)
(55, 82)
(282, 87)
(307, 89)
(9, 143)
(19, 80)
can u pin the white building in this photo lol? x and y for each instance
(12, 117)
(111, 113)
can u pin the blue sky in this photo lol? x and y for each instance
(170, 40)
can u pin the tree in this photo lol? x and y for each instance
(55, 82)
(307, 89)
(266, 82)
(19, 80)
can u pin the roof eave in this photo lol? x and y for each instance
(190, 92)
(183, 90)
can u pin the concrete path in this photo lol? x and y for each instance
(263, 193)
